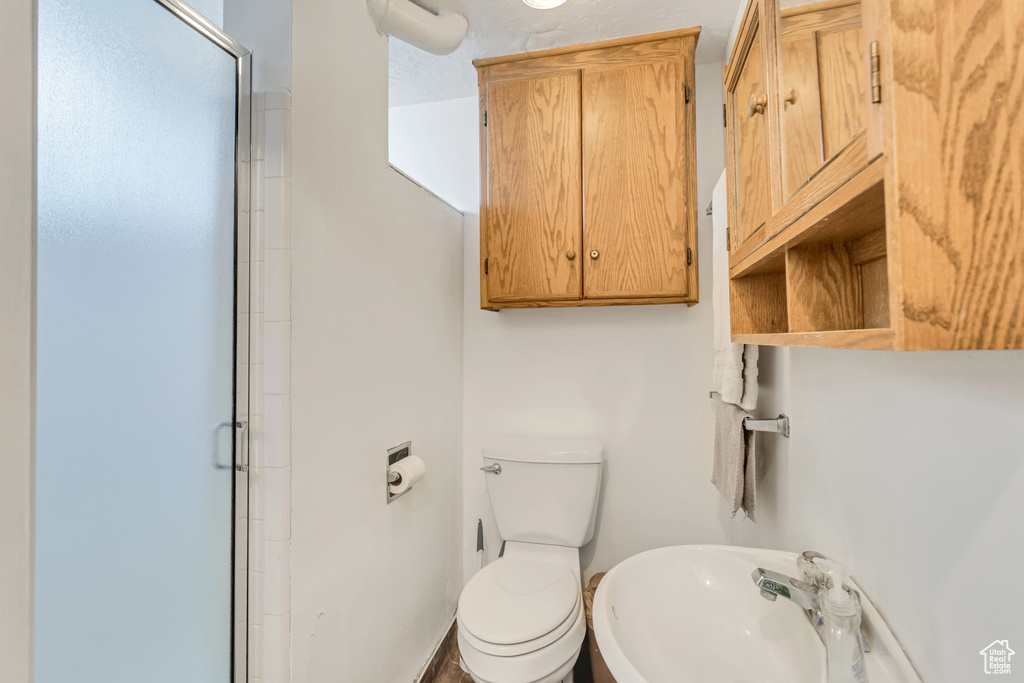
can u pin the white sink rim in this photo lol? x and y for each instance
(886, 663)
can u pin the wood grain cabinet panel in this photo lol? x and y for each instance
(955, 194)
(606, 126)
(801, 111)
(897, 204)
(633, 153)
(535, 207)
(751, 148)
(749, 171)
(822, 84)
(843, 76)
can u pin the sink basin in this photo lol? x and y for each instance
(691, 614)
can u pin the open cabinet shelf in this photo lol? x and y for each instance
(824, 279)
(876, 340)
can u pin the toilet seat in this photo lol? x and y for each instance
(521, 618)
(514, 606)
(514, 649)
(549, 664)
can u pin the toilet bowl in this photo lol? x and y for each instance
(521, 619)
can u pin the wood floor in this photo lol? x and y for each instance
(445, 666)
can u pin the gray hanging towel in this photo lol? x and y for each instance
(736, 468)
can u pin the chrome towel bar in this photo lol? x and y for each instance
(779, 425)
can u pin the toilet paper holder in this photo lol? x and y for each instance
(394, 455)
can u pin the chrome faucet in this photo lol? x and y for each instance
(772, 585)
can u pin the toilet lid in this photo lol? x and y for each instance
(513, 601)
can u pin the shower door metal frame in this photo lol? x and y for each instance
(241, 363)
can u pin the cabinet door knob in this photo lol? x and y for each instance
(594, 253)
(757, 105)
(570, 254)
(790, 97)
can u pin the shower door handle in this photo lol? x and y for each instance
(216, 447)
(242, 464)
(243, 447)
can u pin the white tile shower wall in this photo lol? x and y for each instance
(270, 495)
(256, 439)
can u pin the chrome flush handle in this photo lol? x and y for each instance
(494, 469)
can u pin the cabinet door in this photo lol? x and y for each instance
(822, 83)
(634, 181)
(747, 137)
(534, 206)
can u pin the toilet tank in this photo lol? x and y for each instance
(547, 491)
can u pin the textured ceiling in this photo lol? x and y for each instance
(501, 27)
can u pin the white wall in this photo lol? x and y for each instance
(437, 145)
(635, 377)
(265, 27)
(376, 360)
(740, 11)
(908, 468)
(17, 336)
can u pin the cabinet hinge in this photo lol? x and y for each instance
(728, 240)
(485, 266)
(686, 93)
(689, 256)
(725, 118)
(876, 73)
(485, 118)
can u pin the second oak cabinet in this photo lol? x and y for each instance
(876, 174)
(588, 171)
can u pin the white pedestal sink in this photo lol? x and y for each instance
(692, 614)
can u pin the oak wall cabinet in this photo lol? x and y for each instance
(588, 165)
(876, 174)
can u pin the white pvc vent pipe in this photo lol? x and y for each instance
(438, 34)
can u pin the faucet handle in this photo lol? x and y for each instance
(810, 572)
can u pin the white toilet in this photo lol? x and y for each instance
(521, 618)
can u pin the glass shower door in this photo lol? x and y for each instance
(142, 345)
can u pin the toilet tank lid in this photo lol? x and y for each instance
(544, 449)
